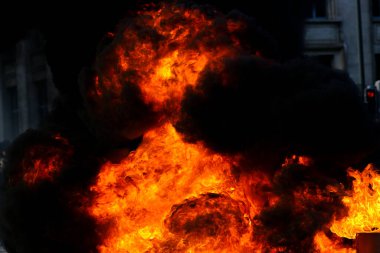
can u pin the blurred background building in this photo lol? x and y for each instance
(26, 88)
(346, 35)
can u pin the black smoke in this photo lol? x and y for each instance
(270, 110)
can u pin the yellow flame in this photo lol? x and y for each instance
(363, 205)
(324, 245)
(138, 195)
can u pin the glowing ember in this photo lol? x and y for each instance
(301, 160)
(42, 169)
(44, 162)
(363, 205)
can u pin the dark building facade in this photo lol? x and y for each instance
(26, 87)
(346, 35)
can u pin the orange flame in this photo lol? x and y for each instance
(301, 160)
(170, 195)
(175, 47)
(363, 205)
(323, 244)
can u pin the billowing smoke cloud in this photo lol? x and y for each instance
(267, 110)
(305, 206)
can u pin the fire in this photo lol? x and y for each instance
(164, 50)
(44, 162)
(174, 71)
(42, 169)
(324, 244)
(363, 205)
(170, 195)
(301, 160)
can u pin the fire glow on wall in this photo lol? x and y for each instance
(192, 138)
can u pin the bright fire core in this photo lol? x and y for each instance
(363, 204)
(171, 196)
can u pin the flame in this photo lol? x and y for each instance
(363, 205)
(168, 195)
(171, 195)
(295, 159)
(42, 169)
(44, 162)
(163, 51)
(323, 244)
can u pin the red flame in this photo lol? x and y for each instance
(44, 162)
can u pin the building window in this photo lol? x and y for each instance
(376, 8)
(42, 100)
(377, 65)
(317, 9)
(13, 111)
(324, 59)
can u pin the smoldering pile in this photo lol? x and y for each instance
(244, 104)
